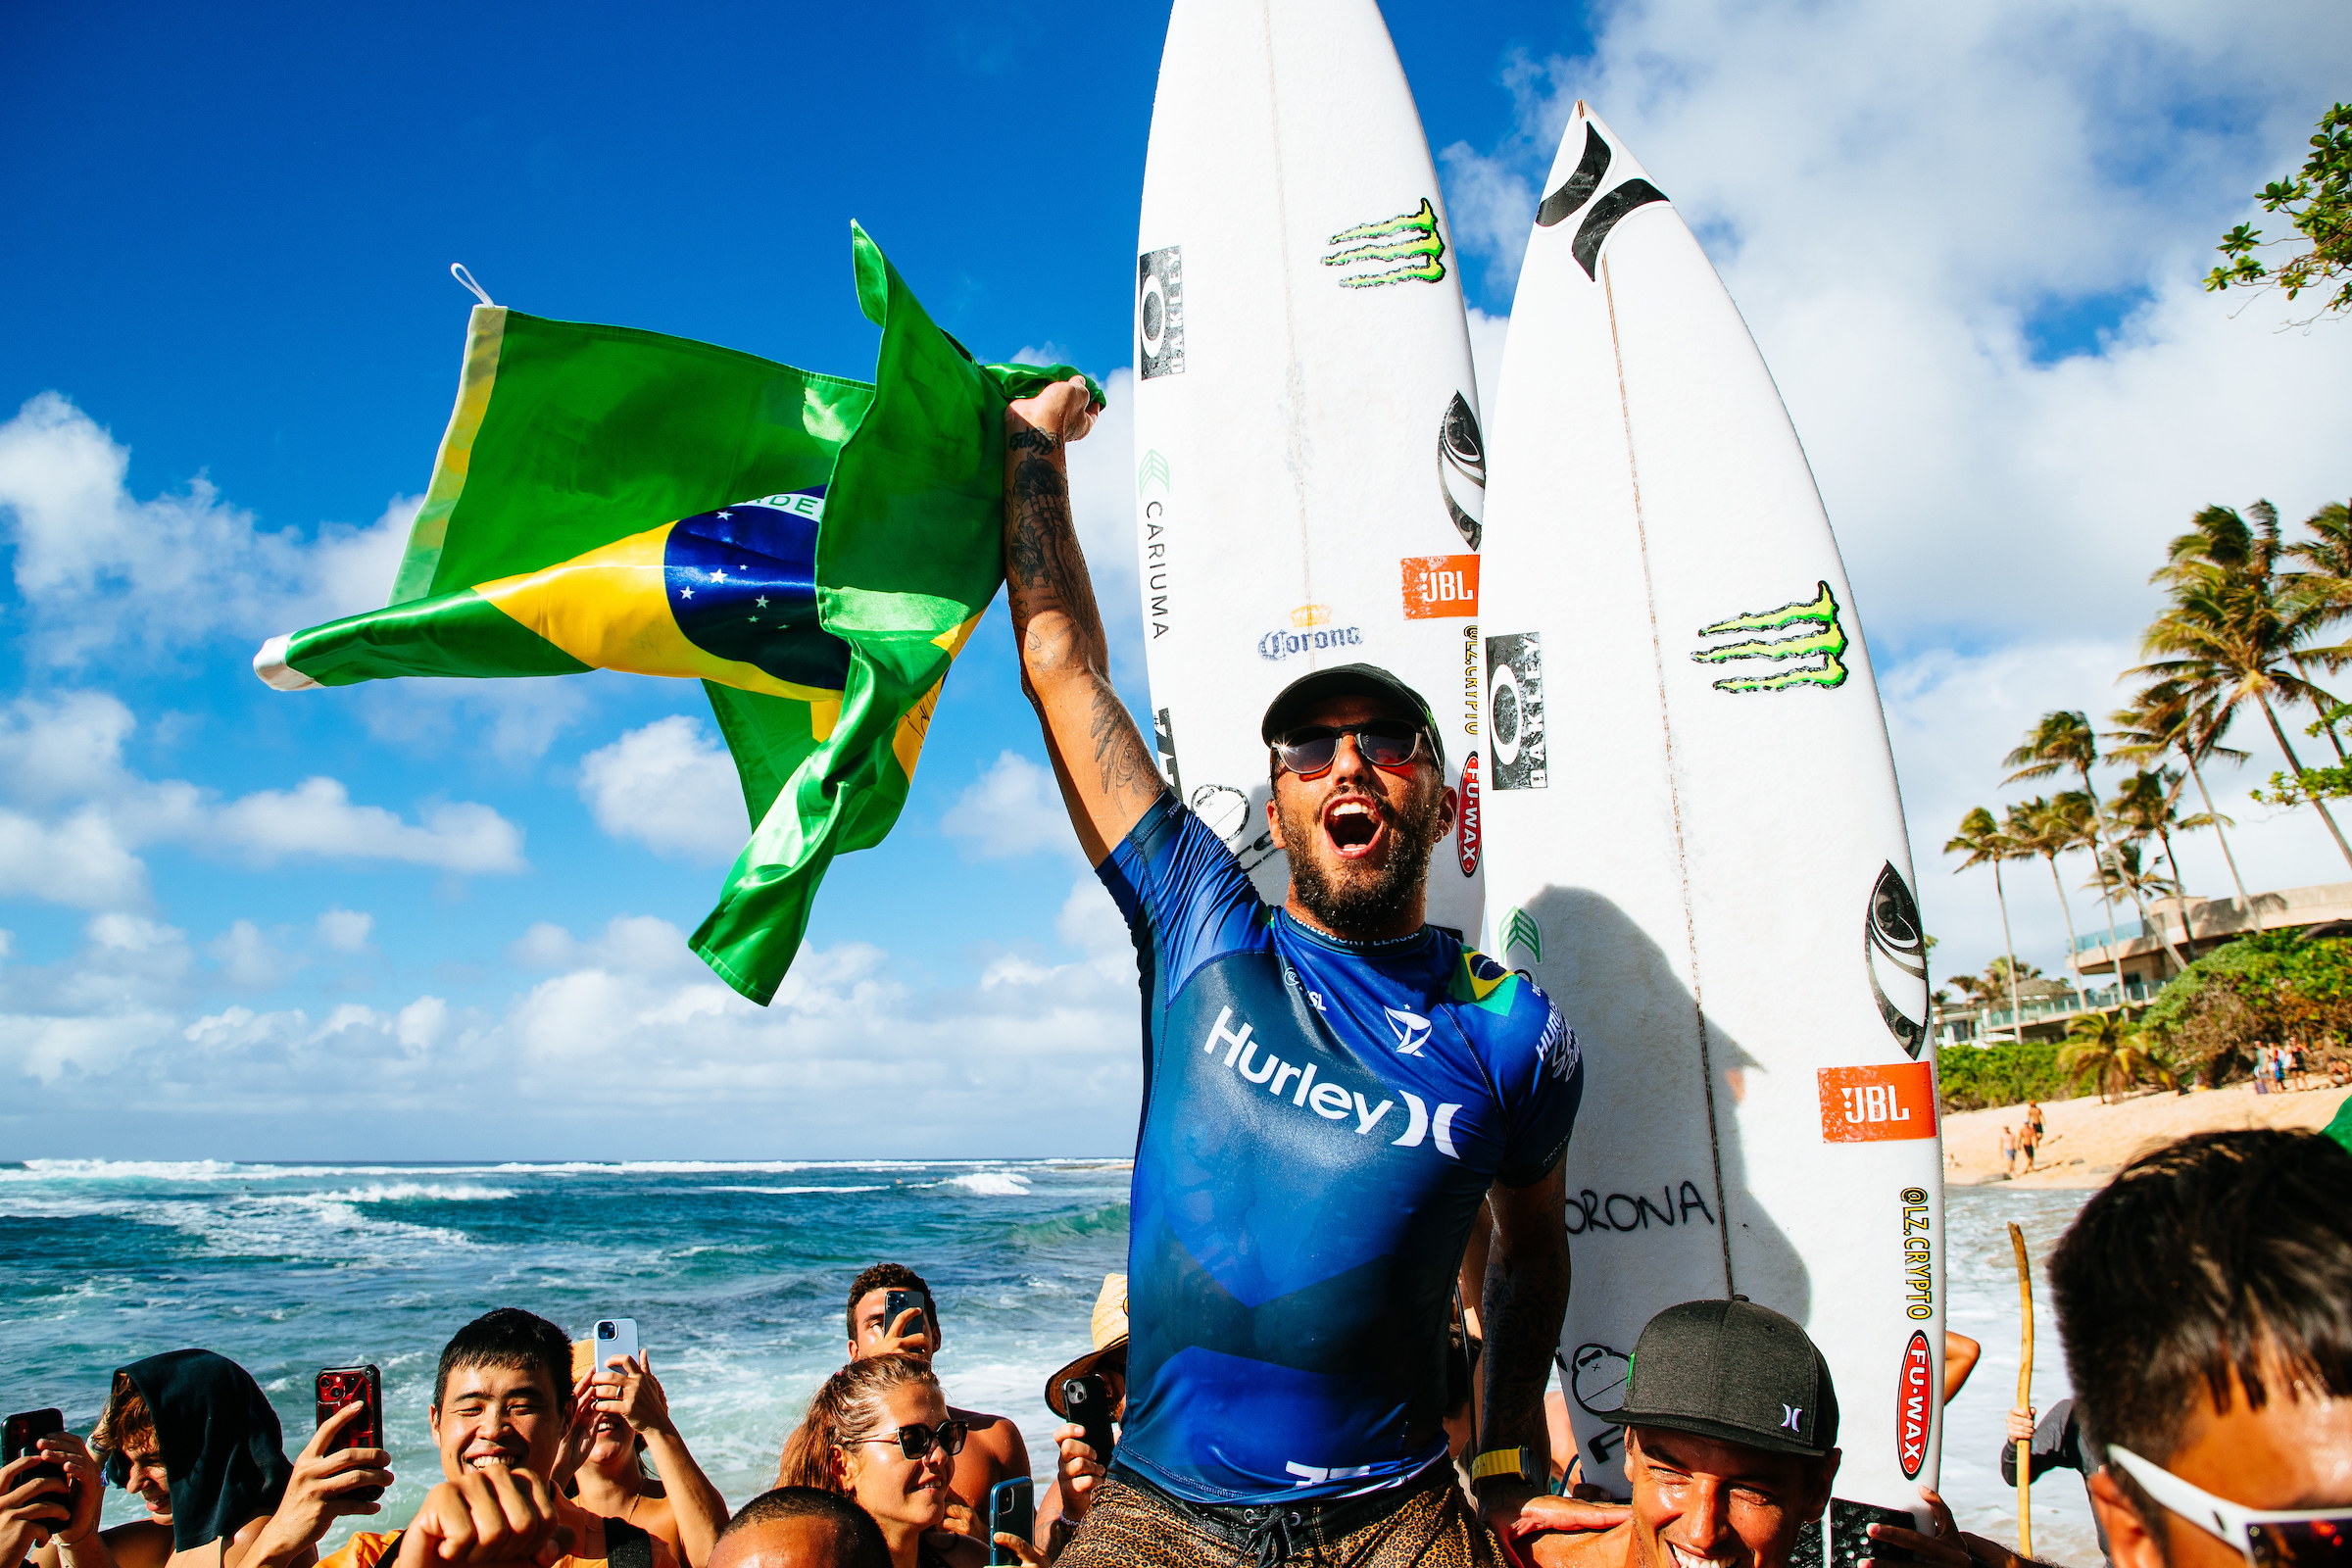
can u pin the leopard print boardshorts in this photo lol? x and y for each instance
(1428, 1525)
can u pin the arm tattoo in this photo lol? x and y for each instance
(1031, 438)
(1119, 756)
(1042, 557)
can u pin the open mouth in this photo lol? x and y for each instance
(1691, 1559)
(495, 1458)
(1354, 824)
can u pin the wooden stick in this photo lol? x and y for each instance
(2025, 1393)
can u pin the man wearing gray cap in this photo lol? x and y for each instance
(1330, 1088)
(1731, 1444)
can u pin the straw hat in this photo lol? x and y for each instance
(1108, 1327)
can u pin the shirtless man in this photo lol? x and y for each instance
(1725, 1470)
(994, 1452)
(801, 1527)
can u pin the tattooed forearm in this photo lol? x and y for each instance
(1125, 767)
(1526, 1298)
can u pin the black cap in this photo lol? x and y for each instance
(1734, 1371)
(1284, 713)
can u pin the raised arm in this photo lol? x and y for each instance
(1100, 760)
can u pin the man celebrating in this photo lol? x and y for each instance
(1731, 1444)
(1303, 1185)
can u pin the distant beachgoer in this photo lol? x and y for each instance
(2029, 1141)
(632, 1423)
(1078, 1469)
(880, 1434)
(996, 1451)
(801, 1527)
(2034, 1120)
(505, 1431)
(2009, 1150)
(193, 1436)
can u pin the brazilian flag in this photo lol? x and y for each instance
(815, 550)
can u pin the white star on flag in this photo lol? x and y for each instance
(724, 515)
(760, 602)
(719, 575)
(685, 593)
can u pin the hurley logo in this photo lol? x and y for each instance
(1790, 1415)
(1325, 1098)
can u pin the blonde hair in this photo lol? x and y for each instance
(127, 1426)
(852, 1407)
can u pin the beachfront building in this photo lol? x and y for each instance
(2190, 926)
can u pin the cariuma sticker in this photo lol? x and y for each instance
(1519, 930)
(1817, 651)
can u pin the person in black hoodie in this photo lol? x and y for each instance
(193, 1435)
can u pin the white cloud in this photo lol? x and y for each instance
(345, 930)
(523, 716)
(96, 566)
(672, 787)
(317, 817)
(87, 812)
(250, 961)
(1012, 808)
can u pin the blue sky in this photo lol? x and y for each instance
(425, 920)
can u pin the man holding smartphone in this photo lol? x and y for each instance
(994, 1452)
(1333, 1087)
(508, 1433)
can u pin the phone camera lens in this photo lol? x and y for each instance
(604, 1331)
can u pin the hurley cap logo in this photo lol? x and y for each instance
(1789, 1414)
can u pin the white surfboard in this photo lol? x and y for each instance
(1694, 838)
(1309, 474)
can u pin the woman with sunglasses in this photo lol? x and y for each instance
(879, 1433)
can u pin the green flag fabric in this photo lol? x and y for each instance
(815, 550)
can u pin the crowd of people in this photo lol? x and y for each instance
(2204, 1298)
(1330, 1346)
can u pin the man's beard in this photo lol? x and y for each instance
(1345, 898)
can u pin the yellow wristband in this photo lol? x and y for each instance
(1501, 1463)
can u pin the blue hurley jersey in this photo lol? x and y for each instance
(1320, 1120)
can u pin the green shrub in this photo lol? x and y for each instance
(1972, 1077)
(2272, 987)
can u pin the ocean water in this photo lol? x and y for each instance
(736, 1273)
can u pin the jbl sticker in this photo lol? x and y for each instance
(1873, 1104)
(1438, 586)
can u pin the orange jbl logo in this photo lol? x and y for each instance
(1868, 1105)
(1439, 585)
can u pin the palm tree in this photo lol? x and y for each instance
(2049, 827)
(1981, 839)
(2060, 741)
(2122, 869)
(2144, 807)
(2324, 589)
(2162, 715)
(2108, 1048)
(2232, 629)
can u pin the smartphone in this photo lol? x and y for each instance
(24, 1433)
(341, 1386)
(1012, 1511)
(1849, 1540)
(1086, 1399)
(614, 1336)
(896, 1302)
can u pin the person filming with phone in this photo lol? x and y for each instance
(631, 1422)
(194, 1437)
(892, 1312)
(50, 1492)
(508, 1434)
(1334, 1084)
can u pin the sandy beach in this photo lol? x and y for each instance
(2085, 1141)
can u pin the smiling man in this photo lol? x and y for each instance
(508, 1433)
(1731, 1444)
(1330, 1087)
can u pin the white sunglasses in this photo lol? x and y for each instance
(2296, 1538)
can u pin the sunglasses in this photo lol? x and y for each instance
(918, 1439)
(1384, 743)
(2300, 1538)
